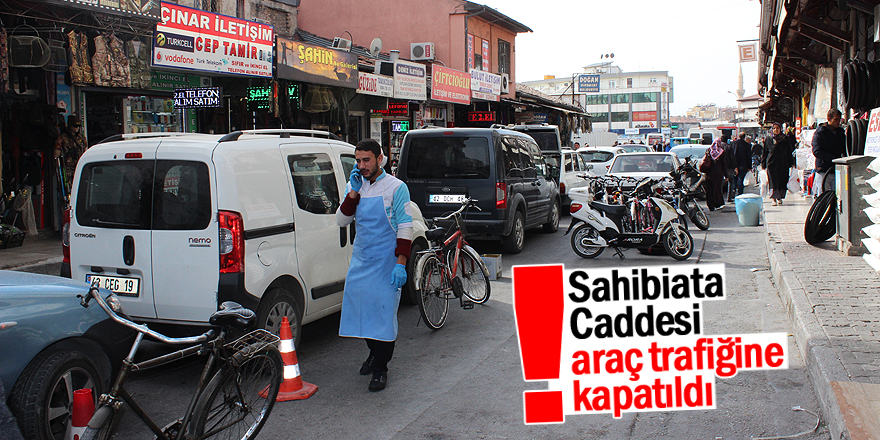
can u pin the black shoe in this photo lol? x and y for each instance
(368, 366)
(380, 378)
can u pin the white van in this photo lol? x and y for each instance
(178, 223)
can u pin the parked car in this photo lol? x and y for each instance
(636, 148)
(178, 223)
(503, 169)
(641, 165)
(50, 345)
(599, 159)
(694, 151)
(571, 166)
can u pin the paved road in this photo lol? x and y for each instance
(465, 381)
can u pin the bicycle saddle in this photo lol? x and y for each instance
(234, 315)
(610, 209)
(436, 234)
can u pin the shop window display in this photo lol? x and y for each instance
(145, 114)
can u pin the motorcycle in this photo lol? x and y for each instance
(684, 193)
(640, 221)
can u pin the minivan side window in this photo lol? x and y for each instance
(348, 164)
(537, 159)
(116, 195)
(182, 196)
(314, 182)
(510, 152)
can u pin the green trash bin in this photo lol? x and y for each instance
(749, 208)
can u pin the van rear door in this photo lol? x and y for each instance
(186, 255)
(110, 237)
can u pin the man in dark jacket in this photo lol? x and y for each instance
(829, 143)
(729, 162)
(742, 151)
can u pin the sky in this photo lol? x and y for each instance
(695, 40)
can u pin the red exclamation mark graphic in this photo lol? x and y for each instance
(538, 303)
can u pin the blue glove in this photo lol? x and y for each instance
(398, 276)
(355, 179)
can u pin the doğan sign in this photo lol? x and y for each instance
(199, 97)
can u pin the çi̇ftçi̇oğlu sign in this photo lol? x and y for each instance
(194, 39)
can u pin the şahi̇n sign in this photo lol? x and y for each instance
(316, 64)
(190, 38)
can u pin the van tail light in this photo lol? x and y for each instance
(561, 187)
(65, 235)
(575, 207)
(231, 242)
(500, 195)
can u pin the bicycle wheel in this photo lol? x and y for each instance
(105, 419)
(474, 276)
(432, 300)
(231, 406)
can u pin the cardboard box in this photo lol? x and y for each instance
(493, 263)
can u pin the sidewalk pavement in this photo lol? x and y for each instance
(832, 302)
(42, 249)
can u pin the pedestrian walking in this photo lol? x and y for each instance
(712, 167)
(778, 162)
(742, 151)
(729, 162)
(378, 203)
(829, 143)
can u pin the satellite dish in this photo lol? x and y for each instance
(375, 47)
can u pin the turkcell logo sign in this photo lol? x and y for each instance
(171, 41)
(588, 83)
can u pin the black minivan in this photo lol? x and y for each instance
(503, 169)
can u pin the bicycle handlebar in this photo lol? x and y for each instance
(93, 293)
(464, 205)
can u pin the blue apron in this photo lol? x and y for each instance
(369, 304)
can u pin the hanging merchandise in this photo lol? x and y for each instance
(120, 75)
(57, 56)
(27, 50)
(138, 63)
(80, 67)
(101, 61)
(4, 62)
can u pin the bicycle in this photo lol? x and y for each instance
(449, 269)
(244, 374)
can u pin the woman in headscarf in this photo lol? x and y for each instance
(714, 173)
(777, 160)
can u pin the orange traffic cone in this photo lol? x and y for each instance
(292, 387)
(81, 412)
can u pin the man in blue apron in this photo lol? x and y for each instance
(378, 203)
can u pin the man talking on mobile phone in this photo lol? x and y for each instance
(378, 203)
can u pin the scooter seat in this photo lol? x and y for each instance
(610, 209)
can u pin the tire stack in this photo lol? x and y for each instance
(873, 212)
(861, 93)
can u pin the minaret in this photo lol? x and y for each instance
(740, 91)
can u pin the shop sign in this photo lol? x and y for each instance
(316, 64)
(481, 116)
(450, 85)
(198, 97)
(872, 141)
(171, 81)
(587, 83)
(395, 109)
(370, 84)
(193, 39)
(485, 85)
(125, 8)
(258, 98)
(399, 125)
(630, 131)
(410, 81)
(644, 116)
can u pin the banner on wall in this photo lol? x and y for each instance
(410, 81)
(470, 52)
(378, 85)
(486, 55)
(450, 85)
(485, 85)
(193, 39)
(316, 64)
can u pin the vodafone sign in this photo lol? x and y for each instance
(193, 39)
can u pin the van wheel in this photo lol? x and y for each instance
(552, 224)
(409, 294)
(276, 304)
(513, 242)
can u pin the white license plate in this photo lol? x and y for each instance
(120, 285)
(446, 198)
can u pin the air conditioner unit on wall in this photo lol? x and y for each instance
(505, 83)
(421, 51)
(342, 44)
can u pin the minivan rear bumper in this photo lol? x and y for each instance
(494, 228)
(231, 288)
